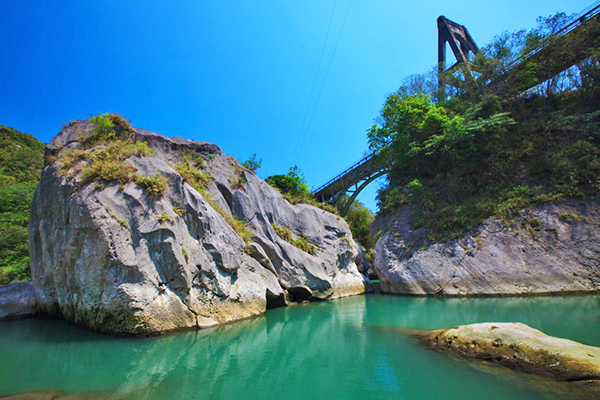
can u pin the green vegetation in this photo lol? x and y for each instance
(199, 180)
(282, 231)
(240, 227)
(294, 189)
(292, 184)
(154, 185)
(572, 217)
(476, 155)
(163, 218)
(252, 163)
(179, 210)
(21, 163)
(359, 219)
(192, 175)
(301, 241)
(121, 221)
(102, 155)
(239, 181)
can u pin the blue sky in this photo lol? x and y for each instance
(239, 74)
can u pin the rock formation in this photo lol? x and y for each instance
(520, 347)
(17, 301)
(137, 239)
(551, 248)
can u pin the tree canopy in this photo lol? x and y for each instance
(292, 183)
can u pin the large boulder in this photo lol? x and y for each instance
(550, 248)
(521, 347)
(115, 256)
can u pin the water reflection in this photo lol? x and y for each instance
(331, 349)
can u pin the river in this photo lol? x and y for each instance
(350, 348)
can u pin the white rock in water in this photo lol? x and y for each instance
(114, 259)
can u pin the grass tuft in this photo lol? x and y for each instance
(190, 173)
(155, 185)
(163, 218)
(301, 241)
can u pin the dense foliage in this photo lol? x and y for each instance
(292, 183)
(476, 155)
(359, 219)
(21, 163)
(294, 189)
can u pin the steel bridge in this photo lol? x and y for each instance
(580, 35)
(348, 184)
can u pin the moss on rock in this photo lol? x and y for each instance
(520, 347)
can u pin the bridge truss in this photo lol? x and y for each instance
(342, 190)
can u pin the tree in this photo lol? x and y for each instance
(359, 219)
(411, 128)
(293, 183)
(252, 164)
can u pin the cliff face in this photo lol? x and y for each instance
(553, 248)
(117, 253)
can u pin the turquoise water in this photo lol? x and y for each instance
(344, 349)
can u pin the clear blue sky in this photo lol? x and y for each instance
(236, 73)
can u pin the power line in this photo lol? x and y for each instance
(314, 84)
(323, 83)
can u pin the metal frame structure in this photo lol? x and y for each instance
(578, 36)
(350, 183)
(461, 43)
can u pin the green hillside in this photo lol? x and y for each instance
(476, 154)
(21, 163)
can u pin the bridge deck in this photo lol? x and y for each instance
(352, 174)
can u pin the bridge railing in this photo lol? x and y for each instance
(354, 166)
(576, 21)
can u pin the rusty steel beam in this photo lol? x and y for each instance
(461, 43)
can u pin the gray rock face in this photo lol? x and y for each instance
(110, 257)
(551, 248)
(17, 301)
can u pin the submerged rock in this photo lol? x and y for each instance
(551, 248)
(17, 301)
(114, 256)
(520, 347)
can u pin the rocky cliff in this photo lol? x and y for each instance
(132, 232)
(552, 248)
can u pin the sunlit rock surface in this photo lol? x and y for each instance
(102, 256)
(520, 347)
(552, 248)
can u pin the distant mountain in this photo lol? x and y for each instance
(21, 164)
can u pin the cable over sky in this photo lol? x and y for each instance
(237, 73)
